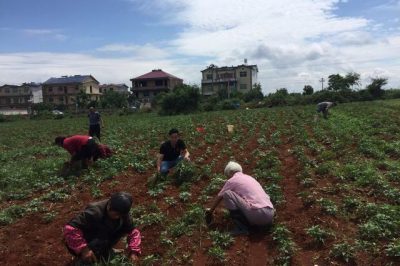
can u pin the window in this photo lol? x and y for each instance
(61, 99)
(100, 90)
(243, 74)
(243, 86)
(50, 89)
(1, 90)
(111, 89)
(26, 90)
(209, 76)
(159, 83)
(60, 89)
(142, 84)
(77, 88)
(91, 91)
(226, 75)
(146, 94)
(7, 90)
(51, 99)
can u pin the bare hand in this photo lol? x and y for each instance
(87, 255)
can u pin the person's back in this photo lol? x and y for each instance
(249, 189)
(94, 118)
(95, 224)
(75, 143)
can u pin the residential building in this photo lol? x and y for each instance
(147, 86)
(239, 78)
(121, 88)
(15, 97)
(64, 90)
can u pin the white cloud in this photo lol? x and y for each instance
(142, 51)
(16, 68)
(47, 33)
(293, 42)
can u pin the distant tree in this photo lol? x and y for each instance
(222, 93)
(337, 82)
(183, 99)
(82, 99)
(255, 94)
(113, 99)
(352, 78)
(375, 88)
(308, 90)
(280, 97)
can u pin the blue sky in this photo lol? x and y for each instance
(293, 42)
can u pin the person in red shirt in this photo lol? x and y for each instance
(82, 148)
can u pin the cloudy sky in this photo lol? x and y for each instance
(293, 42)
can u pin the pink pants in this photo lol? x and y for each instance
(261, 216)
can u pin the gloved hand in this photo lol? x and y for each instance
(208, 216)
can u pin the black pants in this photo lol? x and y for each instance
(102, 249)
(94, 131)
(87, 152)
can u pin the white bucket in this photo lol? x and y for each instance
(230, 128)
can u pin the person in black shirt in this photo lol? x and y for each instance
(171, 152)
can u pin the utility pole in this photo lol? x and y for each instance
(322, 82)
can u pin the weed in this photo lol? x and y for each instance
(343, 251)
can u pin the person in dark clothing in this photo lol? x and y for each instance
(91, 235)
(95, 123)
(323, 108)
(171, 152)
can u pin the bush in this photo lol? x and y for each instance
(182, 100)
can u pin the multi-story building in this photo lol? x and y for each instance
(147, 86)
(64, 90)
(15, 96)
(120, 88)
(239, 78)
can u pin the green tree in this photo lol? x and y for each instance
(183, 99)
(375, 88)
(113, 99)
(308, 90)
(255, 94)
(82, 99)
(337, 82)
(352, 78)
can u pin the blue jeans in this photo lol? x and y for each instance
(166, 165)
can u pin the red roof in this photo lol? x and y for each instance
(156, 74)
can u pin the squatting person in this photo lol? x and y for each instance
(91, 235)
(172, 152)
(248, 204)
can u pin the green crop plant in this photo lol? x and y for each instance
(343, 251)
(318, 234)
(221, 239)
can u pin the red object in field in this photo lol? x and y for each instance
(200, 129)
(105, 151)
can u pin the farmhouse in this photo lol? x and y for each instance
(239, 78)
(20, 96)
(147, 86)
(64, 90)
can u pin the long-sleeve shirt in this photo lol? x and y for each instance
(75, 240)
(249, 189)
(94, 224)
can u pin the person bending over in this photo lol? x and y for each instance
(91, 235)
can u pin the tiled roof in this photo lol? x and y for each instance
(156, 74)
(69, 79)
